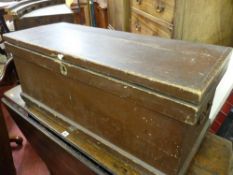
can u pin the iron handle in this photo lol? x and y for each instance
(159, 6)
(139, 2)
(137, 26)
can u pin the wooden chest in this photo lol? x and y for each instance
(199, 21)
(20, 8)
(45, 15)
(29, 13)
(213, 158)
(146, 98)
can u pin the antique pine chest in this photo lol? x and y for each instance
(145, 97)
(46, 15)
(27, 14)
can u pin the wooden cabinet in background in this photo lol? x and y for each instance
(118, 14)
(101, 16)
(143, 25)
(199, 21)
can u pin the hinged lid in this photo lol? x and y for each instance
(176, 69)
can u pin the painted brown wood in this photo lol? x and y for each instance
(101, 16)
(107, 84)
(213, 157)
(44, 124)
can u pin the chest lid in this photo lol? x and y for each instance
(180, 70)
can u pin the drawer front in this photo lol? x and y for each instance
(145, 26)
(163, 9)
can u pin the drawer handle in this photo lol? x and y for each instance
(159, 6)
(139, 2)
(137, 26)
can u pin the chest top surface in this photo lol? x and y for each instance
(180, 69)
